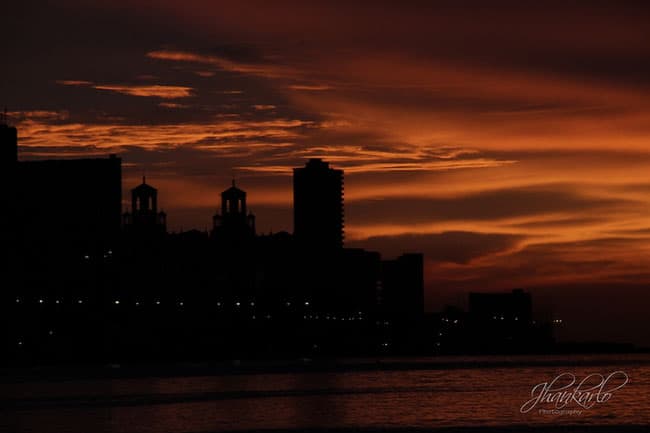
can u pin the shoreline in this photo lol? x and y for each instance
(63, 372)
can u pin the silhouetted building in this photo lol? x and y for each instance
(140, 292)
(8, 145)
(235, 223)
(144, 216)
(515, 306)
(70, 202)
(8, 187)
(318, 206)
(502, 322)
(402, 285)
(359, 276)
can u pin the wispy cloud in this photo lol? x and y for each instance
(159, 91)
(74, 82)
(154, 90)
(172, 105)
(221, 135)
(39, 115)
(310, 87)
(267, 70)
(264, 107)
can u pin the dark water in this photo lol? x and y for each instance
(457, 394)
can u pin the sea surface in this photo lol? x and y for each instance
(468, 394)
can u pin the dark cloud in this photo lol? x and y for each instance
(485, 205)
(455, 247)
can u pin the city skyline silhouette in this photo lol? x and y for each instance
(151, 292)
(512, 155)
(325, 216)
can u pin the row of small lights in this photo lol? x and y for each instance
(157, 302)
(219, 304)
(117, 302)
(42, 301)
(502, 318)
(334, 318)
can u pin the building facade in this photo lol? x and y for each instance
(318, 206)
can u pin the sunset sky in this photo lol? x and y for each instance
(507, 140)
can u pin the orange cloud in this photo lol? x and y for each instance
(259, 69)
(159, 91)
(309, 87)
(74, 83)
(156, 90)
(172, 105)
(39, 115)
(263, 107)
(219, 136)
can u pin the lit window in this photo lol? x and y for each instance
(117, 302)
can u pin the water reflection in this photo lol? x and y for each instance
(420, 398)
